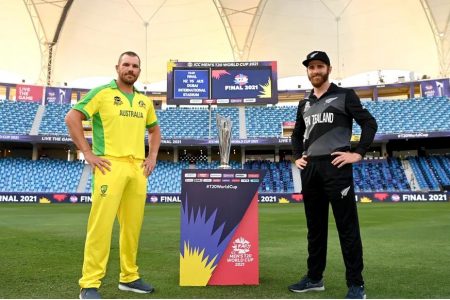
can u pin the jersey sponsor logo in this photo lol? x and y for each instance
(329, 100)
(132, 114)
(319, 118)
(117, 101)
(142, 104)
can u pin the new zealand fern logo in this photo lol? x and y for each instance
(103, 190)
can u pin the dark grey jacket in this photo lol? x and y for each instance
(324, 125)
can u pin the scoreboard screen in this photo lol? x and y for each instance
(190, 83)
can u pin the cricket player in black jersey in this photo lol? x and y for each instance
(322, 150)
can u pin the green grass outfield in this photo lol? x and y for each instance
(406, 253)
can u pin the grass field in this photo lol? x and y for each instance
(406, 253)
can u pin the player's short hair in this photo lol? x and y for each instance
(129, 53)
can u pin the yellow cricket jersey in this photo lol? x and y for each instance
(118, 123)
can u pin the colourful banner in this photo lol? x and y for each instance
(219, 227)
(44, 198)
(274, 198)
(402, 197)
(435, 88)
(30, 93)
(56, 95)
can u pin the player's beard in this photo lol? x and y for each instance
(318, 80)
(129, 80)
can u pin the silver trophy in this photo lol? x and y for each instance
(224, 130)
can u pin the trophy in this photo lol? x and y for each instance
(224, 130)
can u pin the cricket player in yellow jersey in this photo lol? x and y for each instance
(120, 116)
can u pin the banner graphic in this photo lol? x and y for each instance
(435, 88)
(29, 93)
(219, 227)
(56, 95)
(280, 198)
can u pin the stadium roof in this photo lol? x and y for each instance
(88, 35)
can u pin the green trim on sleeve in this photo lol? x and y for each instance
(98, 139)
(87, 98)
(152, 125)
(81, 110)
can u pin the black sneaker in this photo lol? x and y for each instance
(90, 293)
(306, 285)
(137, 286)
(356, 292)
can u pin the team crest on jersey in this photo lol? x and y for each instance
(142, 104)
(103, 190)
(117, 100)
(307, 107)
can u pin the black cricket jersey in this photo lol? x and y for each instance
(324, 125)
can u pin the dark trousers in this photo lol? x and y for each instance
(323, 183)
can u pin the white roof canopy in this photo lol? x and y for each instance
(88, 35)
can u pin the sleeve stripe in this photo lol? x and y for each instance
(82, 111)
(151, 125)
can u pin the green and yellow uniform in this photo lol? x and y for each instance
(119, 122)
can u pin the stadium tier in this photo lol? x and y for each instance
(53, 120)
(215, 165)
(393, 116)
(380, 175)
(413, 115)
(166, 178)
(267, 121)
(46, 175)
(51, 175)
(431, 172)
(278, 176)
(17, 117)
(194, 122)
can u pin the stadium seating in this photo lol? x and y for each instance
(431, 172)
(53, 120)
(88, 187)
(416, 115)
(440, 164)
(373, 175)
(194, 122)
(166, 178)
(17, 117)
(380, 175)
(46, 175)
(267, 121)
(412, 115)
(278, 178)
(216, 164)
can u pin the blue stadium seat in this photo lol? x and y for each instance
(278, 178)
(17, 117)
(46, 175)
(53, 120)
(380, 175)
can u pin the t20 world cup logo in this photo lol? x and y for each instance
(241, 79)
